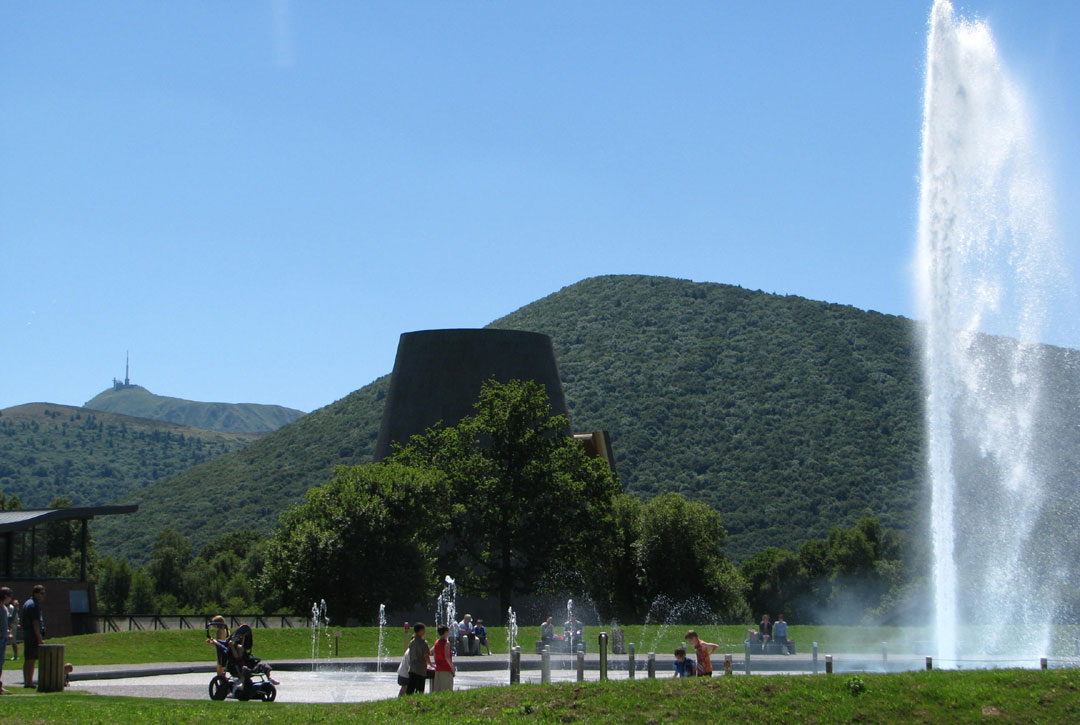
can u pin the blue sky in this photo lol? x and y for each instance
(257, 198)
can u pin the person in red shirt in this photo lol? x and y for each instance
(703, 650)
(444, 662)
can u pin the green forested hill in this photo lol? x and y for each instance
(94, 458)
(789, 416)
(222, 417)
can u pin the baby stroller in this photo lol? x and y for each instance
(246, 677)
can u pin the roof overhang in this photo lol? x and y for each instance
(23, 520)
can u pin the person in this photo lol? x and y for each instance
(572, 630)
(779, 632)
(13, 628)
(702, 649)
(444, 662)
(403, 674)
(33, 624)
(68, 669)
(467, 636)
(765, 630)
(419, 660)
(221, 635)
(5, 632)
(481, 636)
(683, 666)
(547, 631)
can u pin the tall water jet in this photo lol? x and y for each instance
(987, 269)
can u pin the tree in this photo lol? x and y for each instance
(168, 560)
(368, 537)
(113, 585)
(524, 498)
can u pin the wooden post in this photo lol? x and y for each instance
(545, 665)
(603, 656)
(632, 666)
(50, 668)
(652, 665)
(929, 663)
(581, 665)
(515, 666)
(828, 664)
(727, 664)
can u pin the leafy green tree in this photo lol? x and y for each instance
(168, 560)
(368, 537)
(141, 599)
(113, 585)
(524, 498)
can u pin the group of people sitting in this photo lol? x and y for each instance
(467, 637)
(571, 636)
(771, 635)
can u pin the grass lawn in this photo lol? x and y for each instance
(940, 696)
(293, 644)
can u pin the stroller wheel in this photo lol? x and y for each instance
(269, 692)
(219, 688)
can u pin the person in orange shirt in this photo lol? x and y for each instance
(703, 650)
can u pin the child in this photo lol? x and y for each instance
(419, 660)
(444, 662)
(683, 666)
(403, 673)
(703, 650)
(481, 635)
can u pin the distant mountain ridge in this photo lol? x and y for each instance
(92, 457)
(135, 400)
(789, 416)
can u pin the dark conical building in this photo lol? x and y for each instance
(438, 374)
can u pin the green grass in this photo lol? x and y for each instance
(293, 644)
(1008, 695)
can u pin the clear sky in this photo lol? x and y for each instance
(257, 198)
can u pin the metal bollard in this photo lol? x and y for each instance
(652, 665)
(631, 664)
(884, 651)
(515, 666)
(581, 665)
(727, 664)
(1042, 663)
(828, 664)
(746, 659)
(929, 663)
(603, 656)
(545, 666)
(815, 658)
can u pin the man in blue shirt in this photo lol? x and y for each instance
(33, 624)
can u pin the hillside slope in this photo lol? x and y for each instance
(789, 416)
(137, 401)
(94, 458)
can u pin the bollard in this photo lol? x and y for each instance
(828, 664)
(581, 665)
(652, 665)
(727, 664)
(515, 666)
(929, 663)
(545, 666)
(884, 651)
(630, 660)
(815, 657)
(603, 656)
(1042, 663)
(746, 659)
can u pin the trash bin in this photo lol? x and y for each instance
(50, 668)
